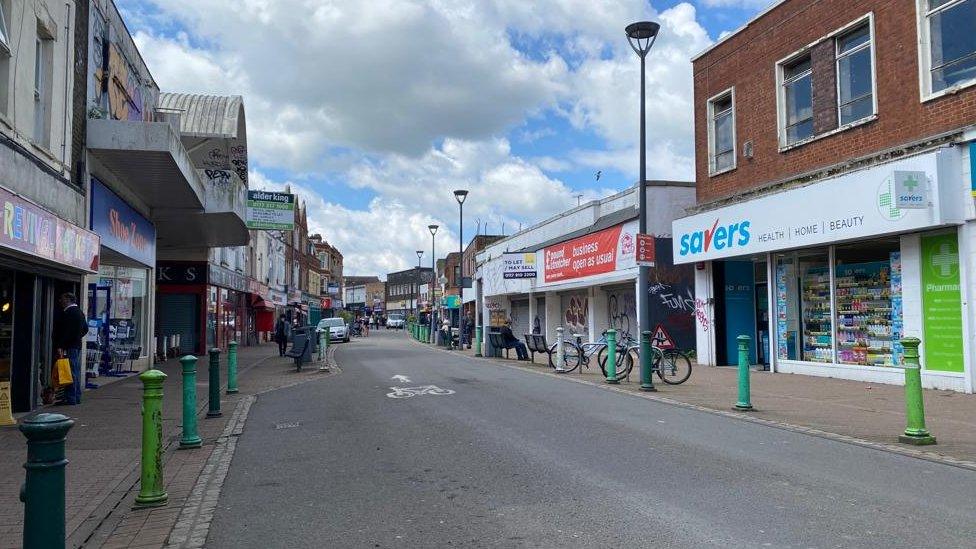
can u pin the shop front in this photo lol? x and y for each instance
(41, 257)
(181, 296)
(226, 306)
(119, 309)
(830, 288)
(260, 312)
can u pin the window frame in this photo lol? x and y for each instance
(710, 112)
(4, 31)
(847, 29)
(781, 83)
(924, 42)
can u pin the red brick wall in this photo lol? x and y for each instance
(748, 61)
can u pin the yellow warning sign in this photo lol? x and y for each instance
(6, 413)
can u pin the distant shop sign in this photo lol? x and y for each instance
(270, 210)
(518, 265)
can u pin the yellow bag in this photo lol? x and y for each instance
(63, 368)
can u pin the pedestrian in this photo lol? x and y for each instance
(509, 340)
(467, 329)
(70, 327)
(281, 335)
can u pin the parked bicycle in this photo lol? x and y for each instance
(672, 365)
(577, 353)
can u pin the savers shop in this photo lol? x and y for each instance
(826, 279)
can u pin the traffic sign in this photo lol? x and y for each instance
(645, 250)
(661, 338)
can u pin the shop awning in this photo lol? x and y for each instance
(258, 302)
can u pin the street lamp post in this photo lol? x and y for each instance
(433, 273)
(460, 195)
(641, 36)
(420, 254)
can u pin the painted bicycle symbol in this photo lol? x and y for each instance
(407, 392)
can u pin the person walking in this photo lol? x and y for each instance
(281, 335)
(70, 327)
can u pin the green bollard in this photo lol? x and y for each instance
(612, 357)
(231, 367)
(745, 403)
(190, 437)
(646, 375)
(151, 492)
(214, 384)
(43, 489)
(915, 433)
(477, 339)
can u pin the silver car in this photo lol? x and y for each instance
(337, 329)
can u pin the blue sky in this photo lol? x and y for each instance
(522, 103)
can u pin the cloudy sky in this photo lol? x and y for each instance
(375, 111)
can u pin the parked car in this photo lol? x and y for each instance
(395, 321)
(338, 331)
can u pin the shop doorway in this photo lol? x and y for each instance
(761, 341)
(736, 309)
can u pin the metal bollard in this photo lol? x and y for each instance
(231, 367)
(560, 352)
(477, 339)
(915, 432)
(43, 488)
(151, 492)
(646, 375)
(744, 403)
(323, 351)
(612, 357)
(214, 384)
(190, 438)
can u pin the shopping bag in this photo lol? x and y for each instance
(63, 367)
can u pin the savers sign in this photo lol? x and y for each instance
(601, 252)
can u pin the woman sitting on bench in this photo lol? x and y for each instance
(509, 340)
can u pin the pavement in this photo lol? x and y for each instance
(481, 454)
(103, 449)
(870, 412)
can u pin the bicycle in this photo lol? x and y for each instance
(576, 353)
(673, 366)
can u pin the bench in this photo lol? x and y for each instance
(299, 354)
(536, 343)
(497, 343)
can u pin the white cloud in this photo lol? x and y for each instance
(745, 4)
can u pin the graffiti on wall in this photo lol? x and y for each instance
(120, 86)
(622, 310)
(575, 313)
(672, 296)
(238, 161)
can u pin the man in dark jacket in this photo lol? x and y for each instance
(510, 341)
(281, 335)
(70, 328)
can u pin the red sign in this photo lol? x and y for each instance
(661, 339)
(645, 250)
(28, 228)
(584, 256)
(326, 303)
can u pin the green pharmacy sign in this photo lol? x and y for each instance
(941, 303)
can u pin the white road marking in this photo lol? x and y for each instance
(401, 378)
(407, 392)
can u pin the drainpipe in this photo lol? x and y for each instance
(67, 80)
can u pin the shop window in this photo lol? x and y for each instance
(855, 79)
(721, 132)
(948, 52)
(814, 289)
(867, 291)
(127, 306)
(797, 100)
(787, 317)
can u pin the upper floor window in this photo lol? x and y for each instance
(721, 132)
(948, 52)
(4, 34)
(797, 99)
(855, 78)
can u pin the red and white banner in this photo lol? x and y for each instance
(601, 252)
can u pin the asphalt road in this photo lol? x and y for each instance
(515, 459)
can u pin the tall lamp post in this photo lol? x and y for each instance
(420, 254)
(641, 36)
(460, 195)
(433, 275)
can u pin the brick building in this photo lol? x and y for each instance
(834, 192)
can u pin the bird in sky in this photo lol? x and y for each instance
(598, 174)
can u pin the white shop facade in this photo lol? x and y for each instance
(827, 278)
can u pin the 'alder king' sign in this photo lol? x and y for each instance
(270, 210)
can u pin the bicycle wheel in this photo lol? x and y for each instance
(571, 356)
(675, 367)
(623, 363)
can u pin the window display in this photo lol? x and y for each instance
(815, 306)
(126, 306)
(864, 282)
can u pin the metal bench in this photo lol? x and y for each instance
(498, 343)
(536, 343)
(299, 349)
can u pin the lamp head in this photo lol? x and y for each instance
(642, 35)
(460, 195)
(432, 229)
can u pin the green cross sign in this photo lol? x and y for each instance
(945, 260)
(910, 183)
